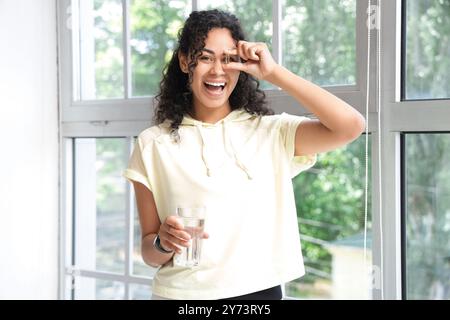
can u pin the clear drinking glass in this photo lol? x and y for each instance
(193, 220)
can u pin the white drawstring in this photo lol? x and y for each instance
(234, 154)
(205, 162)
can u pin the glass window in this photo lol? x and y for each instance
(427, 53)
(100, 204)
(255, 16)
(98, 289)
(98, 45)
(330, 207)
(140, 292)
(154, 29)
(326, 57)
(319, 40)
(97, 49)
(427, 216)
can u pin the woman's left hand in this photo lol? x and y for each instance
(259, 62)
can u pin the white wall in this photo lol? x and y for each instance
(29, 150)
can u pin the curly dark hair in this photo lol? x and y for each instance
(175, 97)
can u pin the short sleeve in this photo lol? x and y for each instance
(136, 170)
(288, 127)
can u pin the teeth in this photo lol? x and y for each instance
(216, 84)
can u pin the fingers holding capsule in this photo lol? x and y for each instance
(231, 55)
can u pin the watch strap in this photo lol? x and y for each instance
(157, 245)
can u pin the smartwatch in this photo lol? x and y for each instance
(157, 245)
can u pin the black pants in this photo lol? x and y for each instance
(267, 294)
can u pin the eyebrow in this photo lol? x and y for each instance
(212, 51)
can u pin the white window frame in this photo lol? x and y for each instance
(123, 118)
(399, 117)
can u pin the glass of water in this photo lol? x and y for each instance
(193, 220)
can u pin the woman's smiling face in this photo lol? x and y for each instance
(211, 84)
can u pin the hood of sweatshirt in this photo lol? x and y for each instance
(234, 116)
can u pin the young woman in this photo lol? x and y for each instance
(216, 144)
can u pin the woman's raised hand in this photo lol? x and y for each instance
(259, 62)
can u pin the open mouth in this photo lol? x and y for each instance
(215, 87)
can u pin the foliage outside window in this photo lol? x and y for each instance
(319, 39)
(427, 216)
(330, 208)
(427, 49)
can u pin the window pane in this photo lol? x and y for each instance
(330, 207)
(255, 18)
(154, 28)
(427, 49)
(427, 217)
(97, 289)
(140, 292)
(100, 204)
(97, 45)
(319, 39)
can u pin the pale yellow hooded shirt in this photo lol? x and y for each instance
(241, 170)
